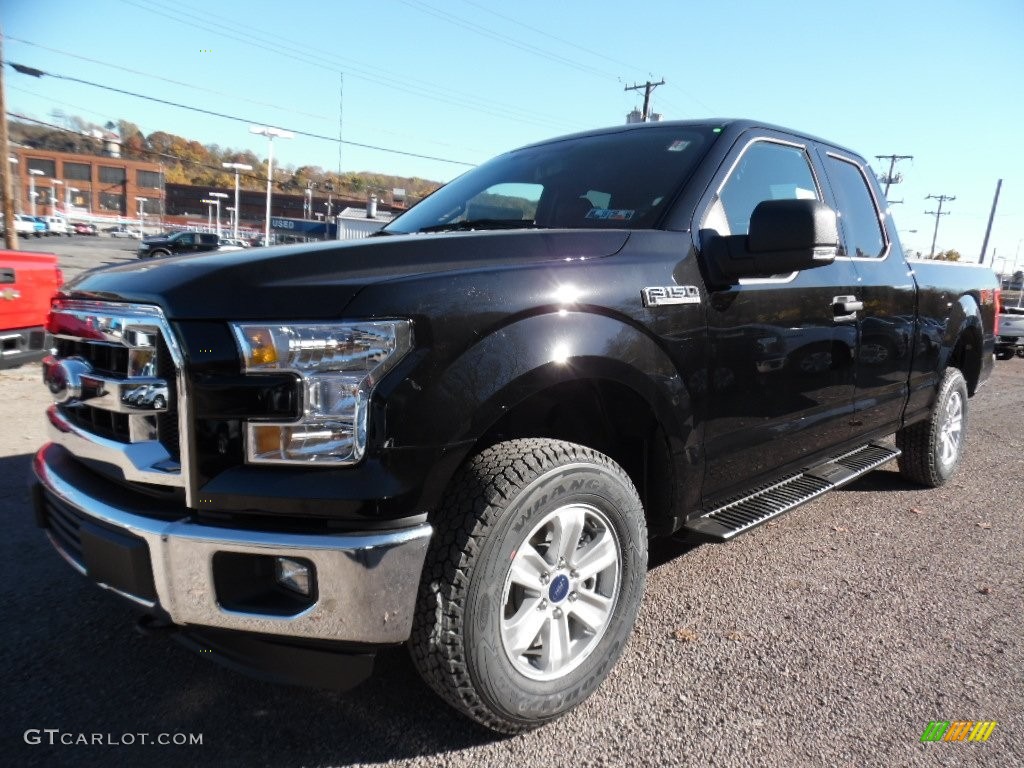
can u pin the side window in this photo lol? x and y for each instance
(858, 217)
(187, 239)
(765, 171)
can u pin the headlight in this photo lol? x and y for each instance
(338, 366)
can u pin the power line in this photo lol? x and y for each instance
(501, 37)
(141, 150)
(302, 54)
(166, 155)
(40, 73)
(190, 86)
(562, 40)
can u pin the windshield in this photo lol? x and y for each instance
(621, 180)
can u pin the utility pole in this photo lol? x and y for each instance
(648, 89)
(937, 214)
(988, 229)
(10, 233)
(890, 177)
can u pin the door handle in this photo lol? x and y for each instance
(845, 308)
(846, 305)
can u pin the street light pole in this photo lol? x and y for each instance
(67, 199)
(142, 215)
(270, 133)
(237, 167)
(32, 173)
(218, 196)
(55, 198)
(209, 212)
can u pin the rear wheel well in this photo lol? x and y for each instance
(605, 416)
(966, 356)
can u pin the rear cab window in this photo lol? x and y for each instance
(859, 223)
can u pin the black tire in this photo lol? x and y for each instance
(932, 448)
(1004, 354)
(497, 506)
(159, 402)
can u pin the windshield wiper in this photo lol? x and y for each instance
(470, 224)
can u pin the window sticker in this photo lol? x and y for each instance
(678, 145)
(610, 214)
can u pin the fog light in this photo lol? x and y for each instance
(293, 575)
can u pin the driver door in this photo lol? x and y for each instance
(781, 362)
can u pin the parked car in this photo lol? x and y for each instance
(122, 231)
(462, 436)
(149, 396)
(179, 242)
(29, 225)
(57, 225)
(231, 244)
(1010, 340)
(24, 227)
(27, 283)
(85, 228)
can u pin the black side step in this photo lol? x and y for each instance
(740, 515)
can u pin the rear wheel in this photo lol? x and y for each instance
(532, 583)
(932, 448)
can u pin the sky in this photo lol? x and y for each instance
(460, 81)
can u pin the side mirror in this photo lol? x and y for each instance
(785, 236)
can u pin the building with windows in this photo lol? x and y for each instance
(87, 186)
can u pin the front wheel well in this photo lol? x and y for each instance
(608, 417)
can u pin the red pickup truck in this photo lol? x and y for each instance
(27, 283)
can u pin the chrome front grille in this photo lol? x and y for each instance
(118, 388)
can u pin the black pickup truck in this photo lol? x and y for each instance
(177, 244)
(461, 434)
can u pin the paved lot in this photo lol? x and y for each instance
(79, 253)
(830, 637)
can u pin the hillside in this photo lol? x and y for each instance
(187, 161)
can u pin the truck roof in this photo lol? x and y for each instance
(735, 124)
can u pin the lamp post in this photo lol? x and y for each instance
(32, 173)
(231, 218)
(16, 184)
(218, 196)
(270, 133)
(237, 167)
(142, 214)
(67, 198)
(209, 212)
(55, 198)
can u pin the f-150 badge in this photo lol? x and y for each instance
(659, 296)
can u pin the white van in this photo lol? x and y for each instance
(57, 225)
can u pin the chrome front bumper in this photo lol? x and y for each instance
(366, 582)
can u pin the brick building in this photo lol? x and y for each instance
(92, 185)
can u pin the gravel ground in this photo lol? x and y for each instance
(830, 637)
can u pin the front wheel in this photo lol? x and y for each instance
(532, 582)
(932, 448)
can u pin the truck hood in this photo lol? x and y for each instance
(314, 281)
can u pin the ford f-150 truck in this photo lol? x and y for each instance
(461, 434)
(27, 283)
